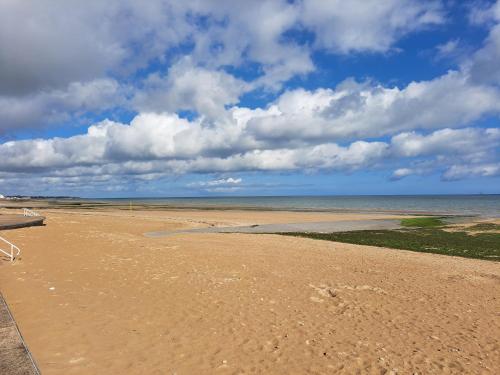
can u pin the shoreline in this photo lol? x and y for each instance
(126, 206)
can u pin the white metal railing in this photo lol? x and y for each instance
(28, 212)
(14, 250)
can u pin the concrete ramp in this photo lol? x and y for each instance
(312, 227)
(15, 358)
(19, 221)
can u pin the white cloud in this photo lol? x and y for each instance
(367, 25)
(448, 48)
(187, 87)
(49, 47)
(457, 172)
(452, 49)
(121, 36)
(246, 31)
(483, 65)
(468, 143)
(59, 105)
(484, 12)
(457, 153)
(402, 172)
(166, 143)
(362, 110)
(222, 185)
(222, 181)
(298, 132)
(196, 48)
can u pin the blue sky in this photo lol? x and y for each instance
(158, 98)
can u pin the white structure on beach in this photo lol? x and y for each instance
(2, 197)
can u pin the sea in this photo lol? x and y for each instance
(482, 205)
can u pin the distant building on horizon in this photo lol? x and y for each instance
(2, 197)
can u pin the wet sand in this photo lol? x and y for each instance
(92, 295)
(311, 227)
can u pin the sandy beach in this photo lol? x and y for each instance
(92, 295)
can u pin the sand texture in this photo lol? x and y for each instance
(92, 295)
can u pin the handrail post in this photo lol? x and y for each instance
(13, 248)
(28, 212)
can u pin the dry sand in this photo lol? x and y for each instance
(92, 295)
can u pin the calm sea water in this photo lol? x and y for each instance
(487, 205)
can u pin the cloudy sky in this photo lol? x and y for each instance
(214, 97)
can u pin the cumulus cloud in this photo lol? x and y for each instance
(457, 153)
(483, 65)
(221, 185)
(158, 144)
(167, 143)
(163, 57)
(367, 25)
(249, 31)
(187, 87)
(222, 181)
(457, 172)
(48, 48)
(452, 50)
(300, 131)
(360, 110)
(56, 106)
(48, 45)
(481, 13)
(402, 172)
(51, 45)
(469, 143)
